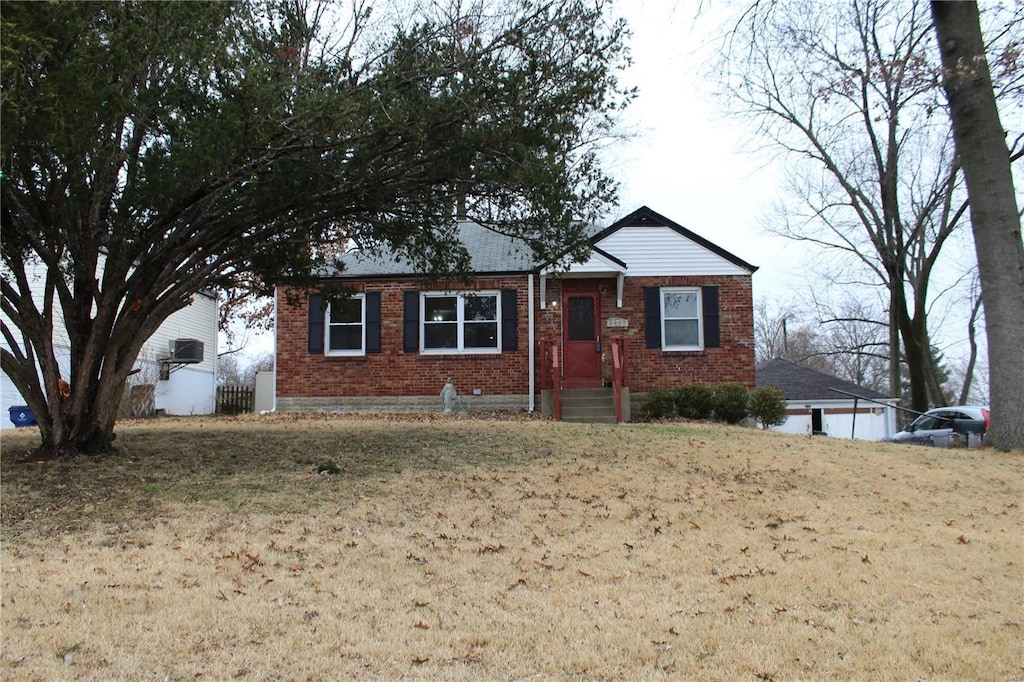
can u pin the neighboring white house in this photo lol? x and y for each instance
(813, 407)
(183, 388)
(175, 388)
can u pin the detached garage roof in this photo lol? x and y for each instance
(803, 383)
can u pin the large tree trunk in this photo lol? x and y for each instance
(75, 418)
(917, 357)
(981, 144)
(76, 405)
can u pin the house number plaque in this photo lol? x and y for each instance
(618, 323)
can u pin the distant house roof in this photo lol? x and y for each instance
(803, 383)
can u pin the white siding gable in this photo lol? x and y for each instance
(652, 251)
(595, 265)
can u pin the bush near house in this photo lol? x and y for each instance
(695, 401)
(726, 402)
(659, 404)
(768, 406)
(731, 402)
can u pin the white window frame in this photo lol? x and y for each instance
(327, 329)
(700, 318)
(460, 321)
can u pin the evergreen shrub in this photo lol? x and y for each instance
(731, 402)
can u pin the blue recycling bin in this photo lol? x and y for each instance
(21, 415)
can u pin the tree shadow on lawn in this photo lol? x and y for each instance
(276, 465)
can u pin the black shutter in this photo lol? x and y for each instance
(509, 320)
(315, 337)
(411, 322)
(652, 316)
(712, 335)
(372, 322)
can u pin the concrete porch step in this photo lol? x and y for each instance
(589, 406)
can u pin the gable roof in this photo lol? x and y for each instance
(644, 216)
(803, 383)
(493, 253)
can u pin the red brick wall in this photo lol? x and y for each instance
(654, 368)
(393, 372)
(651, 368)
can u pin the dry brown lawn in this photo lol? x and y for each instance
(468, 549)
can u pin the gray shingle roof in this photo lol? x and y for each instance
(494, 253)
(803, 383)
(490, 252)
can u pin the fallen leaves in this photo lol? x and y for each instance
(413, 575)
(491, 548)
(752, 573)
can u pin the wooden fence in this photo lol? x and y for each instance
(235, 399)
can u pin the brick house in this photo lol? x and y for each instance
(669, 304)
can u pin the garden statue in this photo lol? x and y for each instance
(448, 395)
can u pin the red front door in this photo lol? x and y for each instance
(581, 327)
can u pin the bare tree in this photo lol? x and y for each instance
(981, 143)
(848, 340)
(261, 363)
(972, 357)
(857, 344)
(771, 331)
(229, 370)
(847, 93)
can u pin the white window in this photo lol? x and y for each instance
(680, 318)
(463, 322)
(346, 328)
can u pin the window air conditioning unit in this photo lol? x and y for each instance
(186, 350)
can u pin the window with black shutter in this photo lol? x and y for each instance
(682, 318)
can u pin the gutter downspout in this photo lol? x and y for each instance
(532, 360)
(216, 350)
(276, 325)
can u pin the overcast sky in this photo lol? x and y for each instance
(687, 160)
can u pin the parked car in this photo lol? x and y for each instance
(947, 427)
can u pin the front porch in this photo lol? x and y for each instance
(609, 404)
(586, 405)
